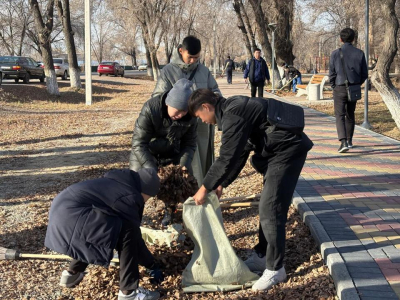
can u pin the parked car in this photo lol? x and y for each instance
(61, 67)
(109, 67)
(142, 68)
(20, 67)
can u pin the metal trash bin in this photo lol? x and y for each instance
(314, 92)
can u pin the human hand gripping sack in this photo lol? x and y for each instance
(201, 196)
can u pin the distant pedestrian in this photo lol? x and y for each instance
(229, 66)
(357, 72)
(290, 73)
(257, 72)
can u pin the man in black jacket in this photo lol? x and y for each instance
(257, 72)
(290, 73)
(165, 133)
(91, 218)
(279, 156)
(357, 72)
(228, 68)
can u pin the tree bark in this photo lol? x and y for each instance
(242, 27)
(44, 32)
(380, 75)
(248, 25)
(74, 70)
(262, 29)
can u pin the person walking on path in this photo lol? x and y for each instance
(185, 64)
(89, 219)
(290, 73)
(165, 133)
(228, 68)
(257, 72)
(278, 154)
(357, 72)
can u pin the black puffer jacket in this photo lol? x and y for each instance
(157, 139)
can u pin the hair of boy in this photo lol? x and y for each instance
(200, 97)
(192, 44)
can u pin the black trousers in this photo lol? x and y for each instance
(281, 172)
(257, 86)
(229, 76)
(132, 252)
(344, 113)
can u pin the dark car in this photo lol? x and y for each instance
(110, 68)
(20, 67)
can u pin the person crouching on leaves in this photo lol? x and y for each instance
(89, 219)
(165, 133)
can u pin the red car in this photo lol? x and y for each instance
(110, 68)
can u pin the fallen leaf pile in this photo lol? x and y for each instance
(48, 143)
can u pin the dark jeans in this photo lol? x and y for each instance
(257, 86)
(132, 251)
(344, 113)
(281, 172)
(229, 76)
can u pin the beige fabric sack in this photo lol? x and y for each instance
(214, 265)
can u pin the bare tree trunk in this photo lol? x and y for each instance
(262, 28)
(44, 31)
(380, 75)
(155, 65)
(74, 70)
(249, 29)
(242, 27)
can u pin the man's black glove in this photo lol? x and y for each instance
(155, 274)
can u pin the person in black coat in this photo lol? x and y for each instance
(357, 72)
(278, 154)
(165, 133)
(229, 66)
(257, 72)
(290, 73)
(89, 219)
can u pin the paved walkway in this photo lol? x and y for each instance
(351, 202)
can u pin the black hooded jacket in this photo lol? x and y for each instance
(244, 125)
(85, 219)
(157, 137)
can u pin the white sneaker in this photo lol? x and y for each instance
(269, 279)
(69, 280)
(139, 294)
(255, 263)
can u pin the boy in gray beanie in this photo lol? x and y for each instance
(164, 132)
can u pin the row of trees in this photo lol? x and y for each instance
(306, 32)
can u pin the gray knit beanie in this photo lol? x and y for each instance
(178, 96)
(149, 181)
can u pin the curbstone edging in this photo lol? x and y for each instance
(332, 258)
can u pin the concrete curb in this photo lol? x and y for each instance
(332, 258)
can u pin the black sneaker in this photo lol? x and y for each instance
(344, 147)
(350, 143)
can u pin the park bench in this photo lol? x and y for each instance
(302, 89)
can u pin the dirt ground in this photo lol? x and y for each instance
(47, 143)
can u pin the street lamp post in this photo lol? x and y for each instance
(272, 26)
(366, 124)
(88, 58)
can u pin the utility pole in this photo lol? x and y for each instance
(215, 46)
(366, 124)
(88, 57)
